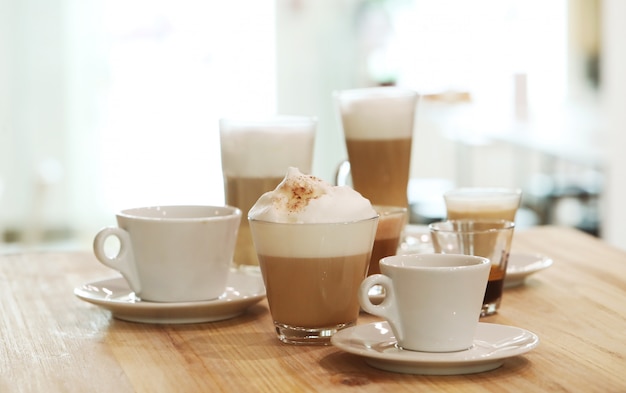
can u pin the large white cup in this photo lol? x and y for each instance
(432, 301)
(173, 253)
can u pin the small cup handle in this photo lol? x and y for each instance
(388, 308)
(124, 261)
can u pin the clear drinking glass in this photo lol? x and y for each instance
(486, 238)
(312, 274)
(391, 223)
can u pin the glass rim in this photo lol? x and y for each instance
(438, 226)
(263, 121)
(299, 223)
(375, 92)
(397, 261)
(470, 191)
(171, 213)
(386, 210)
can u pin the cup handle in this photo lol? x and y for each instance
(343, 173)
(388, 309)
(124, 261)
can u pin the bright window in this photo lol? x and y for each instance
(175, 68)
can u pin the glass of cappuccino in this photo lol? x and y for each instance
(314, 243)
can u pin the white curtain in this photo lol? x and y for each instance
(107, 104)
(113, 104)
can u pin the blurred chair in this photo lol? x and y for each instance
(567, 198)
(426, 202)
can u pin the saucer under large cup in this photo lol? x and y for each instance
(243, 289)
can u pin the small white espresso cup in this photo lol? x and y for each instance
(173, 253)
(432, 301)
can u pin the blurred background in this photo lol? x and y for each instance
(112, 104)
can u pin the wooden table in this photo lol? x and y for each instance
(53, 342)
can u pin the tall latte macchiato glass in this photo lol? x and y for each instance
(255, 155)
(490, 239)
(378, 129)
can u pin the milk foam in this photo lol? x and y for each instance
(307, 217)
(482, 199)
(377, 113)
(301, 198)
(264, 148)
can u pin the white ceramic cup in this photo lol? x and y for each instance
(432, 301)
(173, 253)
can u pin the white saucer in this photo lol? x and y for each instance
(244, 289)
(522, 265)
(492, 345)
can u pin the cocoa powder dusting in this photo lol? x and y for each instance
(301, 191)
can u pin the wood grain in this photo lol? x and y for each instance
(52, 341)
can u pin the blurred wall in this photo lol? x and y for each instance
(316, 55)
(33, 112)
(51, 83)
(614, 86)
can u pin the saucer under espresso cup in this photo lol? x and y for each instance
(432, 301)
(173, 253)
(492, 345)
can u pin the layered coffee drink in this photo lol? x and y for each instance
(391, 222)
(486, 238)
(486, 203)
(314, 243)
(380, 169)
(242, 192)
(378, 129)
(310, 293)
(482, 203)
(255, 155)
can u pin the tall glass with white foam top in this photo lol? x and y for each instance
(378, 128)
(255, 155)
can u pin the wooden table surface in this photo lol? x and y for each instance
(51, 341)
